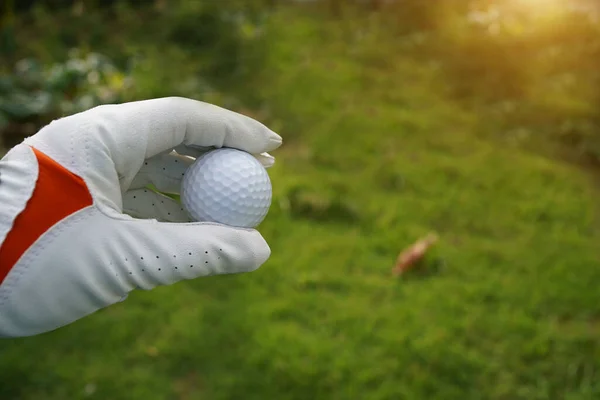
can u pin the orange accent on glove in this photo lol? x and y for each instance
(58, 193)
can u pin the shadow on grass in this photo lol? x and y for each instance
(425, 269)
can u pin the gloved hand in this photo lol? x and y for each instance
(79, 229)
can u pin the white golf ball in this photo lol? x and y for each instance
(227, 186)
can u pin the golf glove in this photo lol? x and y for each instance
(79, 228)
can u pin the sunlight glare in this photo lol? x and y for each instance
(542, 6)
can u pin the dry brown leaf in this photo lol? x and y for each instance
(413, 254)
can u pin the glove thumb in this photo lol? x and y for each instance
(155, 253)
(94, 268)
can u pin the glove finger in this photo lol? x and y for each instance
(191, 151)
(133, 132)
(165, 123)
(145, 203)
(266, 159)
(159, 253)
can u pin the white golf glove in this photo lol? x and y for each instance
(79, 229)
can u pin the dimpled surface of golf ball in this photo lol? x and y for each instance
(227, 186)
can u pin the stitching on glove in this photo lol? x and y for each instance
(58, 193)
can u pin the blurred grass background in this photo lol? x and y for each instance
(476, 119)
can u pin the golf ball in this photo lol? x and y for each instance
(227, 186)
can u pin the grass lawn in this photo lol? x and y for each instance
(375, 155)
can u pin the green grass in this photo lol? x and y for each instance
(375, 156)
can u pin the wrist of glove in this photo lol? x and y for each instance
(79, 229)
